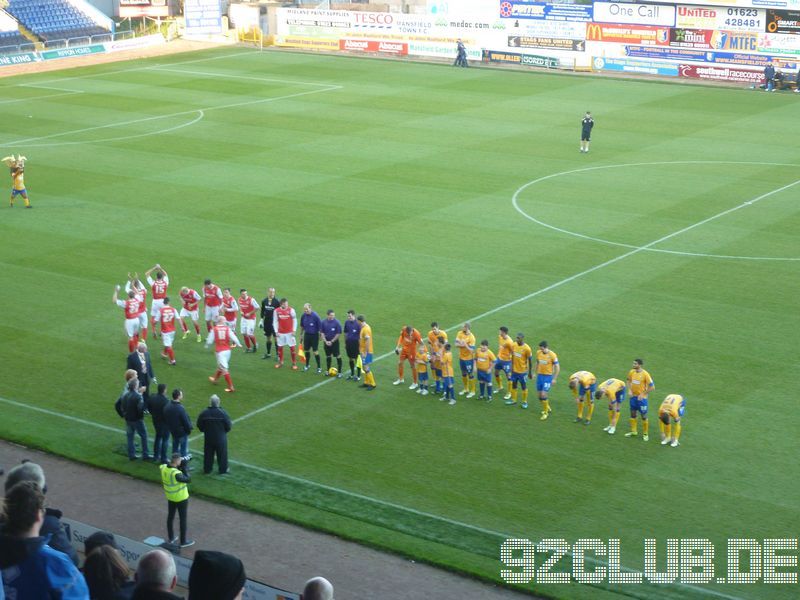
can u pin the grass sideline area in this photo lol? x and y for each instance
(412, 193)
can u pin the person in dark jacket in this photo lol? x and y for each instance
(52, 526)
(156, 577)
(178, 423)
(215, 424)
(156, 406)
(139, 361)
(39, 571)
(131, 408)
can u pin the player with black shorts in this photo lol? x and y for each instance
(310, 324)
(331, 332)
(268, 306)
(586, 131)
(352, 331)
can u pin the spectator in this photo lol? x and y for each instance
(139, 361)
(215, 424)
(97, 539)
(769, 77)
(156, 407)
(107, 574)
(174, 478)
(317, 588)
(156, 577)
(178, 423)
(131, 408)
(216, 576)
(52, 526)
(40, 571)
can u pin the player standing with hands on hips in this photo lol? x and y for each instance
(586, 131)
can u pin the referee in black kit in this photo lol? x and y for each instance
(586, 131)
(268, 306)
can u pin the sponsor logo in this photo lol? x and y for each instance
(373, 18)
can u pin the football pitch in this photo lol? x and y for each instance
(413, 193)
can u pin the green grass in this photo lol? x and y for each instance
(389, 190)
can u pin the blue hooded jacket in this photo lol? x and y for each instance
(32, 569)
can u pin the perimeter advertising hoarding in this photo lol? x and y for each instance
(716, 17)
(748, 3)
(721, 73)
(643, 35)
(531, 60)
(783, 21)
(689, 55)
(629, 65)
(778, 43)
(349, 45)
(522, 9)
(520, 41)
(635, 14)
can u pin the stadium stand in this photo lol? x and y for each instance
(56, 19)
(9, 32)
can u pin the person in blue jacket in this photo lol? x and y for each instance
(30, 568)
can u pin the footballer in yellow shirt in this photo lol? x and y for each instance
(521, 366)
(365, 348)
(669, 419)
(583, 385)
(434, 337)
(547, 370)
(505, 345)
(614, 390)
(447, 375)
(421, 365)
(640, 384)
(484, 362)
(465, 340)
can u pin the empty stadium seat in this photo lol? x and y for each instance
(53, 19)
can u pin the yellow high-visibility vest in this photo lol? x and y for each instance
(175, 491)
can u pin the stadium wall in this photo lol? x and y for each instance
(729, 43)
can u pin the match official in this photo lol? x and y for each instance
(331, 332)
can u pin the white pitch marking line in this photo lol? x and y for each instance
(247, 77)
(175, 114)
(344, 492)
(35, 98)
(515, 203)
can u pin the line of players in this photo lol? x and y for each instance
(221, 310)
(515, 360)
(516, 363)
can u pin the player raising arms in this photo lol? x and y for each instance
(406, 350)
(583, 385)
(223, 339)
(484, 362)
(465, 340)
(640, 384)
(17, 169)
(614, 390)
(284, 323)
(166, 320)
(435, 349)
(212, 298)
(521, 366)
(505, 346)
(131, 307)
(135, 284)
(669, 419)
(158, 289)
(547, 370)
(191, 300)
(247, 326)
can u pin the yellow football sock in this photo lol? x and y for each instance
(472, 384)
(545, 405)
(667, 429)
(27, 202)
(611, 414)
(525, 395)
(645, 427)
(662, 427)
(498, 384)
(369, 379)
(580, 410)
(634, 427)
(616, 418)
(591, 411)
(465, 382)
(678, 428)
(514, 394)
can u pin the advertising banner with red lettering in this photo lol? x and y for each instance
(373, 46)
(721, 18)
(691, 38)
(641, 35)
